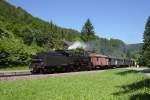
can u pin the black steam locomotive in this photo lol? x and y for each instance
(60, 61)
(72, 60)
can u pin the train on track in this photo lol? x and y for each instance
(71, 60)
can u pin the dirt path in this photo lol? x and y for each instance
(145, 70)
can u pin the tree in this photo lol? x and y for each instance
(87, 32)
(146, 45)
(12, 50)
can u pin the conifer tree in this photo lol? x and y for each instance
(146, 46)
(87, 32)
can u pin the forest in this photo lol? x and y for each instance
(22, 35)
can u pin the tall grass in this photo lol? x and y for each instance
(12, 68)
(116, 84)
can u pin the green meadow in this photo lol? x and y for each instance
(113, 84)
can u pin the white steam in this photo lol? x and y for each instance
(77, 44)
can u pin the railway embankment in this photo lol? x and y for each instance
(26, 75)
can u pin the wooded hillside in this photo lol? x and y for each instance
(22, 35)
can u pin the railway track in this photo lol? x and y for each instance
(14, 73)
(26, 75)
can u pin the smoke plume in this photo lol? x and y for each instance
(77, 44)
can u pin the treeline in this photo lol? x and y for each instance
(22, 35)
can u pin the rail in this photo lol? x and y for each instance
(13, 73)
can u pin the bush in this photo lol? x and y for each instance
(13, 51)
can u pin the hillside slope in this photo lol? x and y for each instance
(29, 28)
(32, 35)
(135, 50)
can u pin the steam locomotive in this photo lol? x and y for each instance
(71, 60)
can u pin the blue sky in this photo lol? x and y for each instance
(121, 19)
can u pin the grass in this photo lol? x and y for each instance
(6, 68)
(114, 84)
